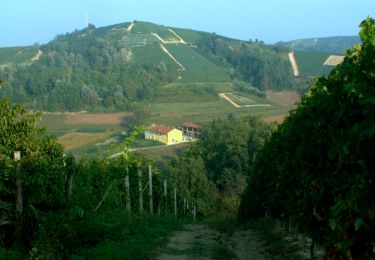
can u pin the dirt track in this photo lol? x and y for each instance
(198, 241)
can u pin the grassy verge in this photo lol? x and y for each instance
(275, 240)
(135, 237)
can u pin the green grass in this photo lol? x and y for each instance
(142, 143)
(241, 100)
(17, 54)
(128, 236)
(175, 113)
(310, 64)
(274, 240)
(198, 68)
(192, 92)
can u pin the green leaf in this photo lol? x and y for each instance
(358, 224)
(332, 223)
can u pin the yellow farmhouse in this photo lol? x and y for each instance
(164, 134)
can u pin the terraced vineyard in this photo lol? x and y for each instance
(198, 68)
(162, 31)
(311, 63)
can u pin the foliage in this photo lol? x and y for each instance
(335, 45)
(318, 165)
(263, 66)
(222, 156)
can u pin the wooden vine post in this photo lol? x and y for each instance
(127, 187)
(150, 190)
(140, 190)
(165, 195)
(19, 197)
(175, 201)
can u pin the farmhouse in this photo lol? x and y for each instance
(191, 131)
(164, 134)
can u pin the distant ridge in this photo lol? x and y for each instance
(333, 45)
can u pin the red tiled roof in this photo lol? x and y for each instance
(192, 125)
(161, 129)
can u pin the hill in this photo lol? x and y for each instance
(125, 66)
(333, 45)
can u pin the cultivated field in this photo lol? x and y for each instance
(310, 64)
(81, 133)
(284, 98)
(198, 68)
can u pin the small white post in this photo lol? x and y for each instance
(19, 198)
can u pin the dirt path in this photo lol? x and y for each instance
(294, 64)
(198, 241)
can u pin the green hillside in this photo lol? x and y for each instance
(125, 66)
(334, 45)
(197, 67)
(16, 55)
(310, 64)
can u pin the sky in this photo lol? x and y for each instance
(25, 22)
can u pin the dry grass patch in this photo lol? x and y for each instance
(96, 119)
(284, 98)
(74, 140)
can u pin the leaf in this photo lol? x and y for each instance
(358, 224)
(332, 223)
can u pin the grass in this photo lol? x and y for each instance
(241, 100)
(129, 236)
(77, 139)
(176, 113)
(274, 240)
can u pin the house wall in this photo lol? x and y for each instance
(174, 136)
(156, 136)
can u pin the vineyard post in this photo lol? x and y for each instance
(69, 179)
(175, 201)
(140, 190)
(165, 195)
(184, 207)
(150, 190)
(127, 189)
(194, 212)
(19, 198)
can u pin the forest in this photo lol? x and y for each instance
(315, 171)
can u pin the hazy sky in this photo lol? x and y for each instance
(24, 22)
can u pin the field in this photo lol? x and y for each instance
(198, 68)
(87, 134)
(284, 98)
(310, 64)
(17, 54)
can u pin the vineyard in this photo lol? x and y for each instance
(316, 171)
(198, 68)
